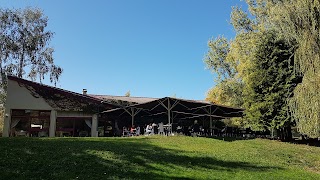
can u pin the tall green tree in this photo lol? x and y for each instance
(270, 85)
(24, 47)
(26, 44)
(298, 21)
(263, 64)
(216, 58)
(228, 86)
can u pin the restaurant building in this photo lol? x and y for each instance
(35, 110)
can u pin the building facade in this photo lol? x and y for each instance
(37, 110)
(34, 109)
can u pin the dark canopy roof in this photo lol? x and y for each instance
(64, 100)
(178, 108)
(131, 100)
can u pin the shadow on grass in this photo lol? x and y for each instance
(309, 142)
(105, 158)
(230, 139)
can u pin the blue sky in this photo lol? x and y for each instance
(154, 48)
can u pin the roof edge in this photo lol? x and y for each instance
(21, 80)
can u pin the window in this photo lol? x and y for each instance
(30, 123)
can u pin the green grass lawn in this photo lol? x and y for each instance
(155, 157)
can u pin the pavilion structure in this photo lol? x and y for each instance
(34, 109)
(175, 109)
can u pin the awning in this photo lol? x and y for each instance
(175, 108)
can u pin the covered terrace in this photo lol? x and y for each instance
(173, 110)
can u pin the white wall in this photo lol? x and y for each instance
(19, 97)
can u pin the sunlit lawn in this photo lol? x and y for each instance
(155, 157)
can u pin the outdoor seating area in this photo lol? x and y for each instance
(169, 116)
(147, 130)
(193, 129)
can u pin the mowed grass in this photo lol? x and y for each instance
(155, 157)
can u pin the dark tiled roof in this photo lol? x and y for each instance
(61, 99)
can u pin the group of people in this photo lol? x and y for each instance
(148, 129)
(193, 130)
(188, 130)
(154, 128)
(132, 131)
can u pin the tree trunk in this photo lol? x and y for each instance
(3, 86)
(285, 133)
(288, 133)
(20, 66)
(280, 133)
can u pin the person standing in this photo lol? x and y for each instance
(148, 129)
(155, 128)
(196, 128)
(161, 128)
(138, 131)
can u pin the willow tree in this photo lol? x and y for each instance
(298, 21)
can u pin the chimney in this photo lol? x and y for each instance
(84, 91)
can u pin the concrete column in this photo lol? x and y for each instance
(7, 122)
(94, 126)
(53, 122)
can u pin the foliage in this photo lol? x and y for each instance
(155, 157)
(305, 106)
(240, 21)
(269, 85)
(216, 59)
(255, 70)
(24, 47)
(299, 23)
(227, 92)
(228, 88)
(127, 94)
(25, 44)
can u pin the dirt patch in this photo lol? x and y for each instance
(313, 169)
